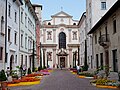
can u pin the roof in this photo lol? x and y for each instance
(61, 12)
(31, 9)
(19, 1)
(82, 17)
(105, 17)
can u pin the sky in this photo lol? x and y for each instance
(71, 7)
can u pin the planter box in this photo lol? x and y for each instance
(81, 76)
(24, 83)
(103, 86)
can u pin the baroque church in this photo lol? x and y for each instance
(60, 41)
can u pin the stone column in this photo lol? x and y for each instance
(54, 57)
(44, 57)
(44, 35)
(54, 35)
(69, 35)
(70, 57)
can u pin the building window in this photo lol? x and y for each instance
(97, 62)
(115, 61)
(106, 33)
(15, 58)
(15, 16)
(21, 59)
(22, 17)
(103, 5)
(15, 38)
(9, 34)
(2, 24)
(30, 45)
(26, 60)
(1, 53)
(26, 43)
(25, 21)
(21, 40)
(49, 35)
(114, 26)
(74, 35)
(9, 10)
(101, 60)
(95, 39)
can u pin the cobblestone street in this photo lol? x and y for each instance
(60, 80)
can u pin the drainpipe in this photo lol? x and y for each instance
(78, 55)
(33, 60)
(5, 35)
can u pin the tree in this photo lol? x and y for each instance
(2, 76)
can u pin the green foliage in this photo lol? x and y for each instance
(85, 68)
(29, 71)
(103, 82)
(86, 74)
(14, 74)
(2, 76)
(36, 69)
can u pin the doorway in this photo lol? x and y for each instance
(11, 62)
(115, 61)
(62, 61)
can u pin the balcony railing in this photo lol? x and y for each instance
(104, 40)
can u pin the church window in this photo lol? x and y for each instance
(62, 40)
(49, 23)
(74, 35)
(49, 35)
(74, 23)
(49, 56)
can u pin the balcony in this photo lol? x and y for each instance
(104, 40)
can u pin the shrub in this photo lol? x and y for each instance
(85, 68)
(39, 68)
(29, 71)
(2, 76)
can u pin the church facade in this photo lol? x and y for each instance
(60, 41)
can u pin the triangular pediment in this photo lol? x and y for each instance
(61, 14)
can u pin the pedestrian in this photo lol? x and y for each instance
(78, 69)
(21, 70)
(61, 66)
(24, 69)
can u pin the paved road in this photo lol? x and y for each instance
(61, 80)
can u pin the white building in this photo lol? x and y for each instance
(83, 34)
(27, 35)
(12, 33)
(95, 9)
(106, 39)
(2, 34)
(60, 41)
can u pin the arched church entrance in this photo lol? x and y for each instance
(62, 61)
